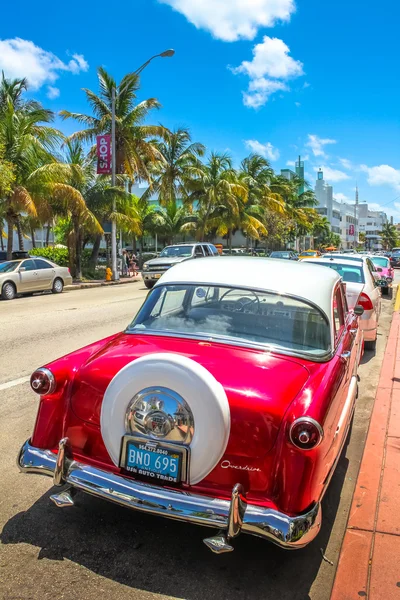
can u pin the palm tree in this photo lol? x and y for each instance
(169, 220)
(298, 205)
(217, 185)
(321, 230)
(390, 236)
(256, 174)
(27, 142)
(135, 144)
(97, 196)
(172, 175)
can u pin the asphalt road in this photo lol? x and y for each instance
(98, 550)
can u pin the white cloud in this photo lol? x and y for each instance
(231, 20)
(346, 164)
(267, 150)
(382, 175)
(341, 197)
(22, 58)
(52, 92)
(332, 175)
(317, 144)
(290, 163)
(268, 71)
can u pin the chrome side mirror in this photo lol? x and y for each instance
(359, 310)
(22, 269)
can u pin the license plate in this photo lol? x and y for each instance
(160, 462)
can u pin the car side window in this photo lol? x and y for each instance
(42, 264)
(338, 313)
(198, 251)
(213, 250)
(29, 265)
(206, 250)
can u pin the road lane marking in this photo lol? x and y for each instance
(10, 384)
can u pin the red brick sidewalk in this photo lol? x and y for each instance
(369, 563)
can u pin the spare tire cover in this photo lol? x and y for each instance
(204, 394)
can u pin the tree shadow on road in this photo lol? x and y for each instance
(168, 557)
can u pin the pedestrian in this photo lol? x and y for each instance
(125, 262)
(132, 266)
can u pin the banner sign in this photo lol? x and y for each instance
(104, 153)
(351, 230)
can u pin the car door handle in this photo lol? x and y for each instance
(345, 355)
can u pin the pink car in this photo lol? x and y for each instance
(386, 272)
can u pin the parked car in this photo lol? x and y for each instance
(172, 255)
(386, 273)
(285, 254)
(32, 275)
(307, 254)
(16, 255)
(226, 402)
(363, 287)
(395, 259)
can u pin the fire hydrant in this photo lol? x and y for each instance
(108, 274)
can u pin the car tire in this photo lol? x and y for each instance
(8, 291)
(198, 387)
(370, 345)
(149, 284)
(58, 286)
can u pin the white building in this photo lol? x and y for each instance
(371, 223)
(340, 215)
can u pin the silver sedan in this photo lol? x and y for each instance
(32, 275)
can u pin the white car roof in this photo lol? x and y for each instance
(312, 283)
(337, 259)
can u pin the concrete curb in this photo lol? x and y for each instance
(368, 561)
(96, 284)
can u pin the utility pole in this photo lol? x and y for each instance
(114, 260)
(356, 219)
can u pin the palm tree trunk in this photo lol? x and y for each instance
(230, 240)
(20, 235)
(10, 231)
(134, 247)
(48, 229)
(33, 237)
(78, 248)
(95, 252)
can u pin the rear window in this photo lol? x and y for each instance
(349, 273)
(234, 315)
(381, 261)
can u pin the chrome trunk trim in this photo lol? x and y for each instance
(233, 516)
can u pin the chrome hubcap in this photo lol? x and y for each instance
(58, 286)
(8, 291)
(160, 413)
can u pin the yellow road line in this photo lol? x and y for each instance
(397, 301)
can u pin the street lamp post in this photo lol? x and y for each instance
(114, 260)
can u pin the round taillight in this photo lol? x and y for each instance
(43, 381)
(306, 433)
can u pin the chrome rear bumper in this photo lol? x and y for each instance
(233, 517)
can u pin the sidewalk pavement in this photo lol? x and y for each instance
(100, 282)
(369, 562)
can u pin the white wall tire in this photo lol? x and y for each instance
(203, 393)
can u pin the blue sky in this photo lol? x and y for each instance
(278, 76)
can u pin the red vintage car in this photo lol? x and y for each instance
(225, 403)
